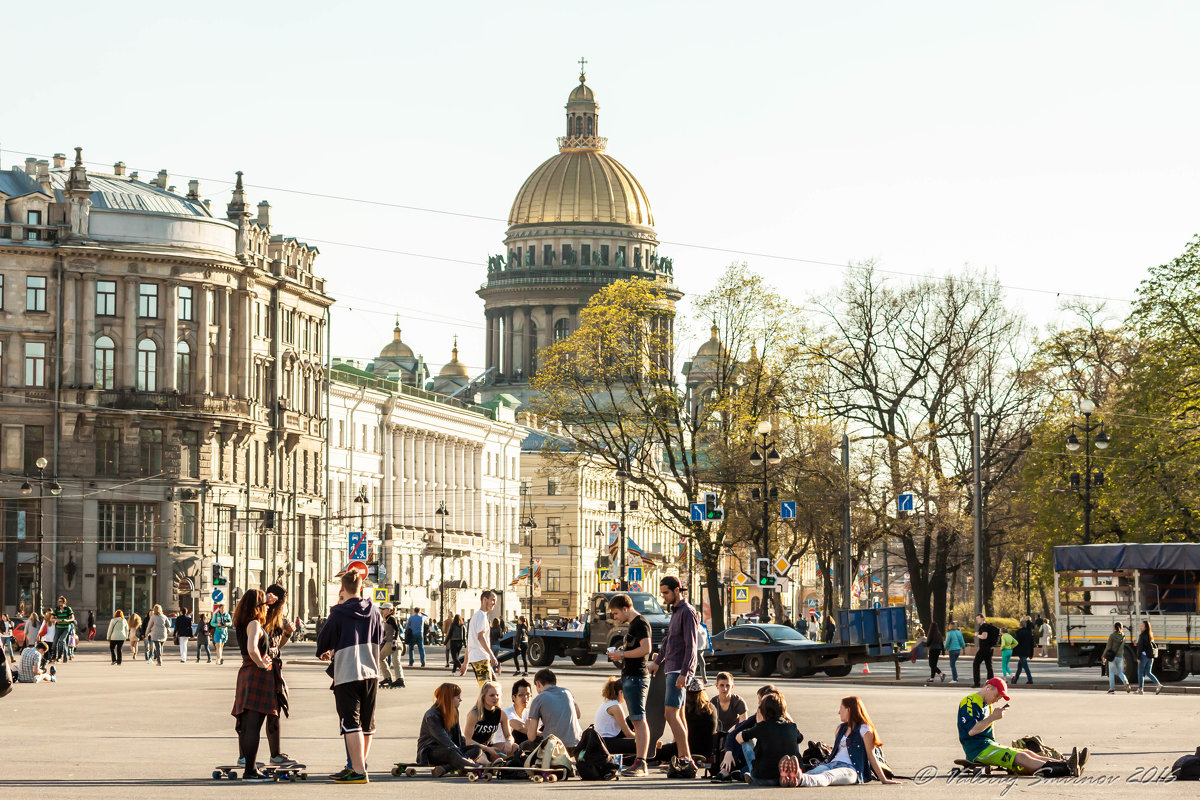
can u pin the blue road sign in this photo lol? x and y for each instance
(605, 575)
(787, 509)
(635, 574)
(878, 604)
(697, 512)
(218, 596)
(904, 502)
(358, 546)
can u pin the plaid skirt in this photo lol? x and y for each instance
(255, 691)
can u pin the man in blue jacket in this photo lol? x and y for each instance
(351, 641)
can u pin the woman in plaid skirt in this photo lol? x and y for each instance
(279, 630)
(255, 699)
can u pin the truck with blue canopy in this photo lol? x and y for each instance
(1096, 585)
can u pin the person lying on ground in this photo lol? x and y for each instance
(976, 718)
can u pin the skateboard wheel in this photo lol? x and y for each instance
(395, 772)
(536, 778)
(552, 778)
(411, 772)
(233, 776)
(472, 777)
(303, 776)
(216, 774)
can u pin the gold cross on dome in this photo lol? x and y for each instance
(582, 66)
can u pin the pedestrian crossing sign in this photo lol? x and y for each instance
(741, 595)
(380, 595)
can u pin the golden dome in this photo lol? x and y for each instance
(581, 93)
(454, 368)
(581, 186)
(713, 346)
(396, 348)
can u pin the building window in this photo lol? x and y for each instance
(304, 481)
(552, 486)
(183, 367)
(126, 526)
(189, 454)
(187, 524)
(35, 364)
(341, 433)
(185, 303)
(562, 329)
(108, 450)
(148, 300)
(553, 580)
(258, 319)
(585, 254)
(547, 255)
(147, 366)
(604, 255)
(35, 293)
(1, 292)
(211, 304)
(105, 353)
(151, 454)
(35, 436)
(33, 218)
(106, 298)
(553, 531)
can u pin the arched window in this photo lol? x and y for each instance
(562, 329)
(589, 126)
(147, 366)
(183, 367)
(579, 126)
(106, 359)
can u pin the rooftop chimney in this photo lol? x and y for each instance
(264, 214)
(60, 160)
(31, 166)
(162, 179)
(193, 190)
(119, 168)
(43, 170)
(171, 189)
(133, 176)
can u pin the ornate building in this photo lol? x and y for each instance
(579, 222)
(162, 400)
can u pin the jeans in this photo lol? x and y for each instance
(9, 647)
(1116, 667)
(521, 653)
(183, 643)
(954, 654)
(748, 754)
(1145, 665)
(635, 687)
(456, 646)
(60, 644)
(157, 648)
(417, 646)
(1022, 664)
(674, 696)
(115, 646)
(835, 774)
(202, 644)
(446, 757)
(982, 658)
(934, 655)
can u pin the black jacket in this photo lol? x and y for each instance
(993, 637)
(434, 734)
(1145, 645)
(1024, 637)
(183, 626)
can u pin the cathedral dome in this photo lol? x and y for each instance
(583, 185)
(454, 368)
(396, 348)
(713, 346)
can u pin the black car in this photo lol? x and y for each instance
(760, 650)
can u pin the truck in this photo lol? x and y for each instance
(1096, 585)
(598, 633)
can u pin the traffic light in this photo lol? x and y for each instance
(219, 575)
(766, 574)
(712, 513)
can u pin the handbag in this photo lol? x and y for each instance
(1109, 655)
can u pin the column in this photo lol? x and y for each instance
(224, 340)
(548, 333)
(527, 344)
(477, 487)
(88, 334)
(68, 369)
(490, 361)
(463, 512)
(201, 300)
(242, 363)
(508, 344)
(397, 459)
(128, 365)
(166, 366)
(421, 474)
(387, 449)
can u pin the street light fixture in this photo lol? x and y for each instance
(622, 574)
(441, 514)
(763, 454)
(1089, 479)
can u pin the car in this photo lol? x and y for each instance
(761, 649)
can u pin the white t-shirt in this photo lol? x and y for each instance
(479, 624)
(843, 753)
(606, 726)
(511, 714)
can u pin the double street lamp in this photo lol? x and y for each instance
(764, 454)
(55, 489)
(441, 514)
(1089, 478)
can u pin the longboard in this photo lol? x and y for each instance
(964, 767)
(233, 771)
(406, 769)
(274, 771)
(535, 774)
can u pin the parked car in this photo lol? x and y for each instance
(760, 650)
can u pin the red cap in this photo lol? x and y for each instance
(1000, 686)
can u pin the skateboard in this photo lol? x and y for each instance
(656, 699)
(273, 771)
(233, 771)
(535, 774)
(405, 769)
(970, 768)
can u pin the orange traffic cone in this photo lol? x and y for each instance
(866, 670)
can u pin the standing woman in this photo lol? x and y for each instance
(456, 636)
(202, 635)
(118, 632)
(521, 646)
(91, 631)
(157, 628)
(255, 699)
(135, 626)
(1146, 651)
(147, 649)
(221, 623)
(934, 646)
(279, 630)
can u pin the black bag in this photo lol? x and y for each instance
(6, 676)
(816, 753)
(593, 762)
(1187, 768)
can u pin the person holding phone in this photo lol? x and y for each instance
(976, 718)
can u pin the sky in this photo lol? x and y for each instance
(1051, 144)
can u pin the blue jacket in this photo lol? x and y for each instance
(354, 632)
(857, 751)
(955, 641)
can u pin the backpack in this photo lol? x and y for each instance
(1034, 744)
(1187, 768)
(6, 676)
(593, 762)
(815, 754)
(550, 755)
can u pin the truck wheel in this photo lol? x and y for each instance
(584, 661)
(1170, 667)
(539, 654)
(790, 665)
(838, 672)
(758, 665)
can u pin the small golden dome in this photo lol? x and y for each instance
(713, 346)
(396, 348)
(454, 368)
(581, 186)
(582, 93)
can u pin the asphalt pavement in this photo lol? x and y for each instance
(141, 731)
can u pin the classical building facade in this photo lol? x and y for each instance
(167, 365)
(580, 221)
(433, 481)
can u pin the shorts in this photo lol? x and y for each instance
(996, 756)
(483, 671)
(674, 696)
(634, 687)
(355, 702)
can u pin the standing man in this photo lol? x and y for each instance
(64, 618)
(987, 636)
(479, 648)
(414, 631)
(634, 683)
(351, 641)
(183, 632)
(391, 632)
(678, 658)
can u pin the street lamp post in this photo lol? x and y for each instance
(763, 454)
(1028, 563)
(622, 574)
(1088, 479)
(55, 490)
(441, 514)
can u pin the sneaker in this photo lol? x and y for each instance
(1140, 691)
(256, 777)
(385, 683)
(242, 761)
(789, 772)
(635, 770)
(1128, 688)
(747, 778)
(282, 760)
(1112, 691)
(351, 777)
(1073, 762)
(1083, 758)
(341, 773)
(1159, 689)
(399, 683)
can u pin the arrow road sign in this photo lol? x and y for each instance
(787, 509)
(697, 512)
(218, 596)
(904, 502)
